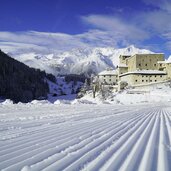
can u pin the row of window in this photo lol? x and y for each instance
(151, 60)
(146, 80)
(140, 64)
(150, 76)
(146, 64)
(107, 75)
(109, 80)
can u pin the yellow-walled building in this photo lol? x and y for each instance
(165, 66)
(143, 69)
(138, 69)
(143, 77)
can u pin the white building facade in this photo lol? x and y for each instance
(108, 77)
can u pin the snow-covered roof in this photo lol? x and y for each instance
(108, 72)
(164, 62)
(151, 54)
(145, 72)
(146, 54)
(122, 66)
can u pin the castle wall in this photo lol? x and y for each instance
(134, 79)
(122, 70)
(108, 79)
(144, 62)
(168, 70)
(148, 61)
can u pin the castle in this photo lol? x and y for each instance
(137, 69)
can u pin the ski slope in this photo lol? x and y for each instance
(85, 137)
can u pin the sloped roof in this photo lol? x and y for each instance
(122, 66)
(164, 62)
(108, 72)
(145, 72)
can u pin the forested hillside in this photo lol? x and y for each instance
(21, 83)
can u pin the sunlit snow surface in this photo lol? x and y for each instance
(87, 137)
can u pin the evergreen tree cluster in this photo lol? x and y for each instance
(75, 78)
(21, 83)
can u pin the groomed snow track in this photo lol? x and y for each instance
(85, 137)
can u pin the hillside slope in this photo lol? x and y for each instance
(21, 83)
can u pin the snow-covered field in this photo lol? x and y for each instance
(85, 137)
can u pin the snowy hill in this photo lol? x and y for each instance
(78, 61)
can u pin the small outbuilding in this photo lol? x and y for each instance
(108, 77)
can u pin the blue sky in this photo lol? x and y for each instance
(58, 25)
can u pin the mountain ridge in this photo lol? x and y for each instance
(78, 61)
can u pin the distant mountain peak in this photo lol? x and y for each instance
(78, 61)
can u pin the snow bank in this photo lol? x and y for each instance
(144, 94)
(7, 102)
(58, 102)
(82, 101)
(40, 102)
(26, 168)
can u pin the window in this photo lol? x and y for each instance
(139, 64)
(155, 75)
(142, 75)
(146, 80)
(155, 80)
(142, 80)
(104, 75)
(104, 80)
(136, 80)
(146, 75)
(160, 75)
(150, 80)
(145, 64)
(154, 64)
(109, 79)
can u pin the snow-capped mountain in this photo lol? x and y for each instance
(78, 61)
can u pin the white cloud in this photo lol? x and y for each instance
(101, 38)
(18, 48)
(39, 41)
(42, 42)
(106, 31)
(103, 30)
(161, 4)
(156, 20)
(117, 26)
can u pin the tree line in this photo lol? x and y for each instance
(21, 83)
